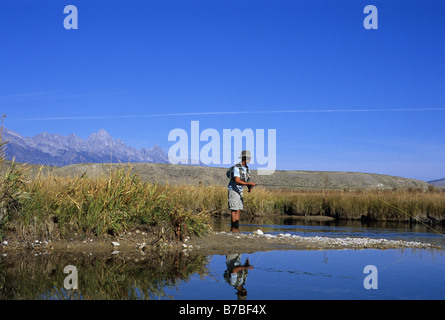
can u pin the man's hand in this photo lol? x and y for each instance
(249, 185)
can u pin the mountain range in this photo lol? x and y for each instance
(438, 182)
(59, 150)
(100, 147)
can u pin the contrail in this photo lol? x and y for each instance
(213, 113)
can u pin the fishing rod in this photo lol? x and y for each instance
(286, 185)
(369, 193)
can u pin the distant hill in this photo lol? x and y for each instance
(164, 173)
(438, 182)
(58, 150)
(195, 175)
(72, 156)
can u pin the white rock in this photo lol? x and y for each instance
(115, 244)
(259, 232)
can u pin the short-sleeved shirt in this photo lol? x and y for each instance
(232, 184)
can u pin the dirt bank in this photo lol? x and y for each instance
(215, 243)
(226, 242)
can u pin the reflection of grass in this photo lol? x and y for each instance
(42, 277)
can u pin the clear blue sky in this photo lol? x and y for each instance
(129, 59)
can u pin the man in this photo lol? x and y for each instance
(236, 274)
(239, 177)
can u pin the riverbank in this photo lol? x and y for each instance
(196, 268)
(139, 242)
(67, 211)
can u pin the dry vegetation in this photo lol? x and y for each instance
(42, 204)
(374, 205)
(54, 206)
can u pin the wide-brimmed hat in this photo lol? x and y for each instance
(246, 154)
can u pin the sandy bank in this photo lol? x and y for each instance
(226, 242)
(215, 243)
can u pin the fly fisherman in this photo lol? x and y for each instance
(239, 176)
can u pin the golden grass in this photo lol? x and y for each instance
(50, 205)
(376, 205)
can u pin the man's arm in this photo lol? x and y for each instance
(243, 183)
(237, 269)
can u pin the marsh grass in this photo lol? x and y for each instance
(54, 206)
(12, 180)
(103, 205)
(374, 205)
(388, 205)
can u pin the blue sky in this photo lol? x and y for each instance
(342, 98)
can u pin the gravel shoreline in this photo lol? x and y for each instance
(219, 243)
(227, 242)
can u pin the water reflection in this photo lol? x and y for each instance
(236, 274)
(300, 274)
(434, 234)
(284, 275)
(33, 276)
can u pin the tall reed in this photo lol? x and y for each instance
(59, 206)
(102, 205)
(375, 205)
(12, 180)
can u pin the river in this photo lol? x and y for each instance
(367, 274)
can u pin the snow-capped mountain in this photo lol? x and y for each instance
(59, 150)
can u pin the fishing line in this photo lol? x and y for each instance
(403, 211)
(387, 203)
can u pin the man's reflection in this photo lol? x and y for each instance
(236, 274)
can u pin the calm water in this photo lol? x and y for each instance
(290, 275)
(275, 275)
